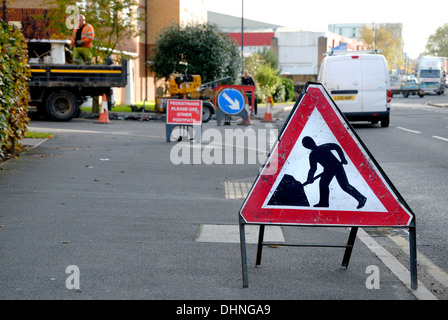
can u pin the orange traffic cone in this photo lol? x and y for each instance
(242, 122)
(104, 116)
(268, 113)
(248, 119)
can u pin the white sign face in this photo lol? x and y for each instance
(298, 166)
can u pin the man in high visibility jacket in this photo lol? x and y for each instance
(82, 38)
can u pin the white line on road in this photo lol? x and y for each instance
(415, 131)
(431, 268)
(440, 138)
(408, 130)
(395, 266)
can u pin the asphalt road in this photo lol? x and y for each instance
(109, 200)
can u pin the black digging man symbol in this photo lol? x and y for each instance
(291, 192)
(332, 168)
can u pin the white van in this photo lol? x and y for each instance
(359, 85)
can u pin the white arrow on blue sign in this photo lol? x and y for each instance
(231, 101)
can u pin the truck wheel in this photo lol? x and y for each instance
(207, 111)
(62, 105)
(405, 94)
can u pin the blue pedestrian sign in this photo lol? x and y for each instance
(231, 101)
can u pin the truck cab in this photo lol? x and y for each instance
(431, 73)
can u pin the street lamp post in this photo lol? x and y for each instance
(242, 35)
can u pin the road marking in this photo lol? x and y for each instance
(395, 266)
(415, 131)
(440, 138)
(408, 130)
(231, 233)
(236, 190)
(432, 269)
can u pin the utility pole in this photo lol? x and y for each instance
(242, 36)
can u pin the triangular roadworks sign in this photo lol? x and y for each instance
(321, 173)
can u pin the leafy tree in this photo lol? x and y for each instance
(269, 57)
(114, 21)
(252, 62)
(284, 91)
(268, 80)
(386, 40)
(437, 44)
(263, 66)
(196, 49)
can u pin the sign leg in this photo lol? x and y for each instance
(197, 132)
(260, 244)
(219, 115)
(413, 257)
(169, 129)
(349, 247)
(243, 255)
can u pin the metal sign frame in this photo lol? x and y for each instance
(347, 253)
(264, 218)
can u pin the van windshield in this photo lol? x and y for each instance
(429, 73)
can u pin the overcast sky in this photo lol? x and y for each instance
(419, 20)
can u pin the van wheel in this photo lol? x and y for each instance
(385, 122)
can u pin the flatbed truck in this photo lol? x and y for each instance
(411, 87)
(57, 90)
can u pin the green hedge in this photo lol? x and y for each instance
(14, 75)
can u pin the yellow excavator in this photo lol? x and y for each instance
(185, 86)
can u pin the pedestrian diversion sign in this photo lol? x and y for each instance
(320, 173)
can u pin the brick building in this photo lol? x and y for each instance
(159, 13)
